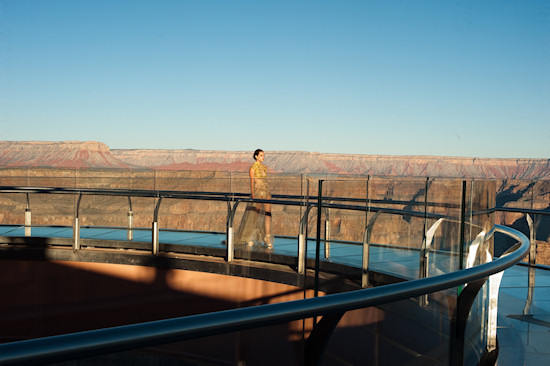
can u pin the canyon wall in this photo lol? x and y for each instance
(90, 155)
(517, 183)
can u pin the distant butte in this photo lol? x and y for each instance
(97, 155)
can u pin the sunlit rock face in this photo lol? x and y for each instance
(518, 183)
(63, 154)
(92, 154)
(296, 162)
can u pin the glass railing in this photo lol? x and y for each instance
(406, 229)
(420, 221)
(365, 333)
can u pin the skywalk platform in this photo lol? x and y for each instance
(524, 298)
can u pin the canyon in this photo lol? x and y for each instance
(523, 183)
(97, 155)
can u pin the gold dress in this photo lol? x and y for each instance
(252, 226)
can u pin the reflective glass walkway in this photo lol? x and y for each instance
(523, 310)
(523, 325)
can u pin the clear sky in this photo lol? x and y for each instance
(412, 77)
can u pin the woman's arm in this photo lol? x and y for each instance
(251, 171)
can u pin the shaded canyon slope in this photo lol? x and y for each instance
(66, 154)
(97, 155)
(521, 183)
(295, 162)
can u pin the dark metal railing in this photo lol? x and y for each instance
(233, 200)
(109, 340)
(65, 347)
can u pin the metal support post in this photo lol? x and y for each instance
(76, 225)
(155, 228)
(318, 239)
(425, 257)
(28, 218)
(130, 220)
(130, 225)
(530, 291)
(230, 239)
(327, 237)
(366, 250)
(461, 241)
(155, 238)
(230, 245)
(494, 286)
(533, 242)
(28, 222)
(425, 250)
(302, 242)
(76, 234)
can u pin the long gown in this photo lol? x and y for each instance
(252, 227)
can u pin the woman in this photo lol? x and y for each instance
(255, 225)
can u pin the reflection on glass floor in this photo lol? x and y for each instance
(524, 317)
(523, 310)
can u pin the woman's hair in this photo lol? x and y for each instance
(257, 152)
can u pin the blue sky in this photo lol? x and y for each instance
(412, 77)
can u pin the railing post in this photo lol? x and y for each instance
(229, 233)
(425, 250)
(530, 291)
(425, 257)
(76, 225)
(459, 321)
(318, 238)
(155, 228)
(28, 218)
(479, 250)
(130, 220)
(155, 237)
(494, 286)
(327, 234)
(532, 263)
(302, 238)
(366, 250)
(533, 243)
(461, 241)
(230, 239)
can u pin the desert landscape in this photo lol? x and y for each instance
(523, 183)
(97, 155)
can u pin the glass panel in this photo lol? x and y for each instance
(479, 220)
(443, 215)
(405, 212)
(541, 223)
(512, 193)
(397, 236)
(12, 208)
(342, 228)
(398, 333)
(272, 345)
(192, 215)
(475, 340)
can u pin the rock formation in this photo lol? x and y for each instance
(519, 183)
(96, 155)
(66, 154)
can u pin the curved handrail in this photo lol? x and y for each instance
(232, 195)
(290, 200)
(228, 197)
(108, 340)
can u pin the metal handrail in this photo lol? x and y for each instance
(122, 338)
(232, 196)
(291, 200)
